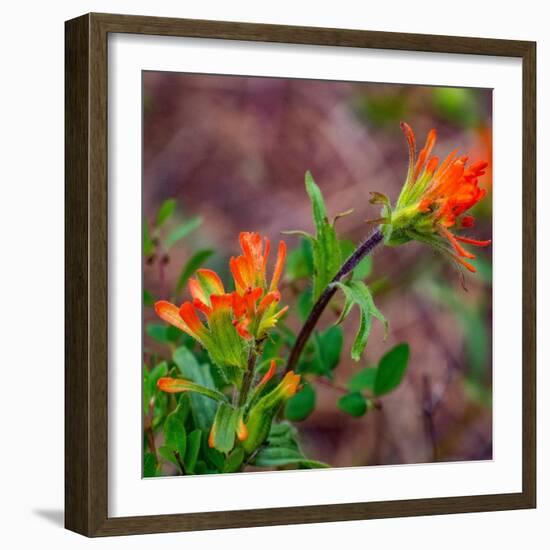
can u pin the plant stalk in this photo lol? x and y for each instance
(247, 377)
(363, 250)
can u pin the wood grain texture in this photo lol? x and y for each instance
(86, 282)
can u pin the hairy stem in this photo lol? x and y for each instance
(247, 377)
(364, 249)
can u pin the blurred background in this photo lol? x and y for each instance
(233, 152)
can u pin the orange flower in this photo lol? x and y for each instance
(435, 198)
(254, 303)
(249, 270)
(218, 335)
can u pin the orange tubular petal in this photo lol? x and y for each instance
(289, 384)
(202, 307)
(197, 291)
(268, 299)
(223, 302)
(234, 266)
(172, 385)
(466, 264)
(269, 374)
(212, 279)
(189, 315)
(211, 437)
(242, 328)
(281, 256)
(170, 313)
(474, 242)
(461, 251)
(266, 254)
(425, 153)
(242, 431)
(409, 135)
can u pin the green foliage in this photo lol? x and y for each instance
(192, 452)
(282, 449)
(150, 465)
(196, 261)
(300, 405)
(391, 369)
(326, 249)
(181, 231)
(353, 404)
(224, 427)
(148, 299)
(357, 293)
(148, 245)
(459, 105)
(363, 380)
(165, 334)
(175, 437)
(299, 262)
(234, 460)
(165, 211)
(203, 409)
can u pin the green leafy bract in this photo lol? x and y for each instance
(203, 408)
(326, 248)
(224, 428)
(357, 293)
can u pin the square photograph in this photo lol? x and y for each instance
(317, 274)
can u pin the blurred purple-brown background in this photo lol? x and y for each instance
(234, 151)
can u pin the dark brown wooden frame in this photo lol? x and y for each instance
(86, 273)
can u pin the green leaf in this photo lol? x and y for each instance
(165, 211)
(326, 249)
(391, 369)
(330, 344)
(149, 465)
(196, 261)
(175, 437)
(353, 404)
(363, 380)
(299, 263)
(182, 231)
(168, 454)
(148, 245)
(203, 409)
(234, 460)
(192, 452)
(305, 304)
(224, 428)
(162, 333)
(280, 456)
(148, 299)
(357, 293)
(300, 405)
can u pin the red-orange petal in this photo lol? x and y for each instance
(474, 242)
(269, 374)
(242, 431)
(170, 313)
(172, 385)
(279, 264)
(212, 279)
(189, 315)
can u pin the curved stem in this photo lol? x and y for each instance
(364, 249)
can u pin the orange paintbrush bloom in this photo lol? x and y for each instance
(254, 303)
(435, 198)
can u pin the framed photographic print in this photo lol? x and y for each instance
(300, 275)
